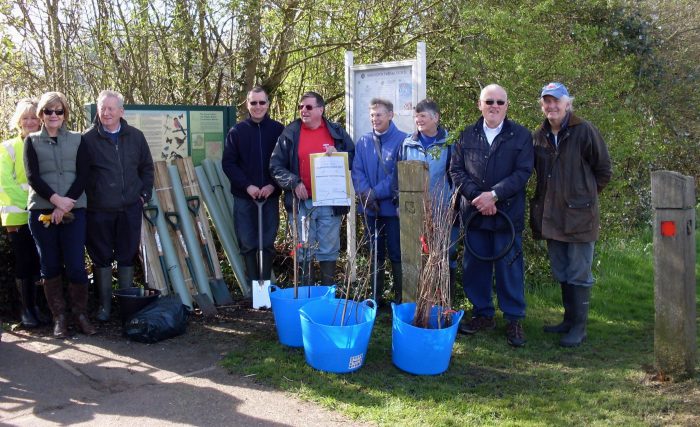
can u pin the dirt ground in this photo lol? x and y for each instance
(109, 380)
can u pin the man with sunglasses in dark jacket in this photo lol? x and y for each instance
(290, 165)
(491, 164)
(246, 161)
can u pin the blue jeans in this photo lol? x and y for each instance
(245, 214)
(571, 262)
(114, 235)
(61, 245)
(323, 236)
(478, 276)
(389, 238)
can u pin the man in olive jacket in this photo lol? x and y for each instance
(572, 166)
(121, 181)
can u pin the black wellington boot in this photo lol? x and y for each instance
(43, 318)
(125, 277)
(327, 272)
(103, 283)
(26, 298)
(565, 325)
(251, 266)
(580, 300)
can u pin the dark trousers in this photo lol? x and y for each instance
(114, 236)
(388, 239)
(478, 276)
(245, 214)
(61, 245)
(25, 253)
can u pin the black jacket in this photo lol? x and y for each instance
(504, 167)
(284, 164)
(246, 158)
(119, 173)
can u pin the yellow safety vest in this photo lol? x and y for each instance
(13, 183)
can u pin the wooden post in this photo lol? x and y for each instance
(673, 201)
(413, 183)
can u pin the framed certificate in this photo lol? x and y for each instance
(330, 179)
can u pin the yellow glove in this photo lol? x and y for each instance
(46, 219)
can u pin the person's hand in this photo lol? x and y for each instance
(57, 215)
(330, 150)
(300, 191)
(66, 204)
(369, 200)
(266, 191)
(485, 204)
(253, 192)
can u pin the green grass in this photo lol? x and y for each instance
(605, 381)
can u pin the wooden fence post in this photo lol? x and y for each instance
(413, 183)
(673, 201)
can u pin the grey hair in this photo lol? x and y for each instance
(491, 87)
(568, 99)
(110, 94)
(429, 106)
(375, 102)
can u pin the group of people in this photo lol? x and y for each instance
(62, 192)
(488, 167)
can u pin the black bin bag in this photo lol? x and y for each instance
(165, 318)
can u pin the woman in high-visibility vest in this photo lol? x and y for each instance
(14, 214)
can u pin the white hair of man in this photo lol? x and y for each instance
(489, 88)
(110, 94)
(569, 102)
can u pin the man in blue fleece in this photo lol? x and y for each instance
(376, 154)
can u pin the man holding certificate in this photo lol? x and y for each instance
(318, 222)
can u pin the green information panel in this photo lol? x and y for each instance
(207, 136)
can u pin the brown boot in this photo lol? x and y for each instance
(53, 290)
(79, 299)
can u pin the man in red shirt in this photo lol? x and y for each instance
(290, 166)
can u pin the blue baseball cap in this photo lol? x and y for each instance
(554, 89)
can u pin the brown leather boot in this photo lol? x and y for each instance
(79, 299)
(53, 290)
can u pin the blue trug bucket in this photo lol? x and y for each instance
(421, 351)
(331, 347)
(285, 308)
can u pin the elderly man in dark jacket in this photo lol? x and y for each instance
(121, 181)
(246, 162)
(491, 165)
(290, 165)
(573, 166)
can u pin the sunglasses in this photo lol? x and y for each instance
(308, 107)
(48, 112)
(491, 102)
(254, 103)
